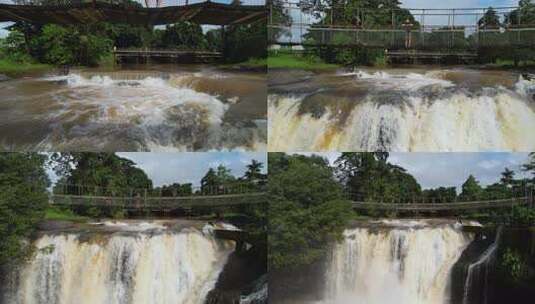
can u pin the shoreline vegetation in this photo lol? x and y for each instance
(288, 60)
(14, 69)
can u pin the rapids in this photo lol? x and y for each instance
(135, 110)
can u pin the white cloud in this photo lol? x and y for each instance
(433, 170)
(168, 168)
(489, 164)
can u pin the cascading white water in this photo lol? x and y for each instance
(408, 262)
(427, 114)
(479, 270)
(148, 265)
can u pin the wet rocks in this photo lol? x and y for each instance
(4, 78)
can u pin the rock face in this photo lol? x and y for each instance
(3, 78)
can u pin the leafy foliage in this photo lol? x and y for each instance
(306, 212)
(513, 265)
(471, 190)
(370, 14)
(89, 44)
(369, 177)
(103, 173)
(23, 198)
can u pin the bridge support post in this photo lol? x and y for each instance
(223, 41)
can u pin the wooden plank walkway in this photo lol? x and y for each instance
(88, 13)
(490, 204)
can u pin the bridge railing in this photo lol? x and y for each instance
(293, 23)
(483, 204)
(134, 3)
(184, 190)
(520, 192)
(158, 203)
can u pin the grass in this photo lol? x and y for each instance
(509, 64)
(254, 63)
(281, 60)
(60, 214)
(15, 69)
(250, 64)
(107, 61)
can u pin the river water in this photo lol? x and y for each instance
(140, 108)
(401, 110)
(128, 262)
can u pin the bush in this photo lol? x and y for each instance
(67, 45)
(513, 265)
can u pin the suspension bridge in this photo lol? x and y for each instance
(454, 206)
(146, 55)
(401, 32)
(149, 200)
(145, 13)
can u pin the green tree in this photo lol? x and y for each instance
(507, 177)
(529, 166)
(182, 35)
(368, 14)
(440, 195)
(489, 20)
(254, 171)
(210, 182)
(307, 210)
(69, 45)
(23, 199)
(369, 177)
(99, 173)
(245, 41)
(471, 190)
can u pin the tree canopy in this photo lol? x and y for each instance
(307, 209)
(106, 173)
(370, 177)
(23, 198)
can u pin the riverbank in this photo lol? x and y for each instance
(281, 60)
(17, 69)
(250, 65)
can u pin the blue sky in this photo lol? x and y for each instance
(167, 168)
(451, 169)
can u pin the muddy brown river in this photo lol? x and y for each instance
(141, 108)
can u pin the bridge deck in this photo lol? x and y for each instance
(159, 203)
(491, 204)
(86, 13)
(187, 56)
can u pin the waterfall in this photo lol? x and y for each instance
(478, 272)
(151, 266)
(407, 264)
(405, 113)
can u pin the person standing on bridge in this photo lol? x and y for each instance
(407, 25)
